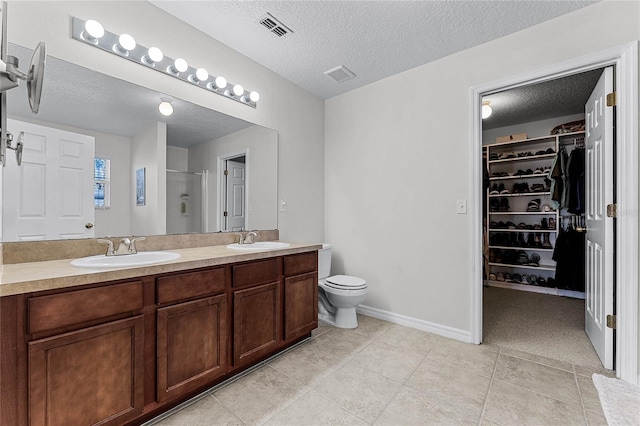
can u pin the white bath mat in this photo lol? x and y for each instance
(620, 400)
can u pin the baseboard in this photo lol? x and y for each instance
(439, 329)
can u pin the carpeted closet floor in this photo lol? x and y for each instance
(540, 324)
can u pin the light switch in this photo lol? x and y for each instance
(283, 206)
(461, 206)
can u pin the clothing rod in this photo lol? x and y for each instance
(187, 173)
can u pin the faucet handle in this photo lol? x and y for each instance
(251, 240)
(110, 250)
(240, 238)
(132, 245)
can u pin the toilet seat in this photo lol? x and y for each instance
(345, 282)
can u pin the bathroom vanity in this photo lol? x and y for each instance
(94, 350)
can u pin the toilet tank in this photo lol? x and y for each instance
(324, 261)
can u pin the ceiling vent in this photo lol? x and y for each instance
(274, 25)
(340, 73)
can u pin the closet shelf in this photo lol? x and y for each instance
(542, 267)
(523, 213)
(521, 248)
(519, 194)
(521, 230)
(518, 159)
(536, 289)
(537, 175)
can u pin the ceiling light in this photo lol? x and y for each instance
(93, 30)
(125, 44)
(153, 55)
(165, 107)
(219, 83)
(254, 96)
(486, 109)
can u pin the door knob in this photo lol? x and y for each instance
(88, 225)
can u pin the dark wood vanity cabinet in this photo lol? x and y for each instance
(300, 295)
(191, 335)
(257, 313)
(120, 353)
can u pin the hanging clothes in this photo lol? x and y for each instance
(558, 179)
(576, 181)
(569, 254)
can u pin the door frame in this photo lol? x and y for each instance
(625, 60)
(221, 185)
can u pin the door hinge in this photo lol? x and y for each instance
(611, 321)
(225, 214)
(611, 99)
(226, 172)
(612, 210)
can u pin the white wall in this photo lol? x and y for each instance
(261, 146)
(297, 115)
(149, 151)
(177, 185)
(397, 158)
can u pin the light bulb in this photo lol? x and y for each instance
(127, 42)
(200, 75)
(93, 30)
(486, 109)
(179, 65)
(153, 55)
(238, 90)
(165, 108)
(219, 83)
(254, 96)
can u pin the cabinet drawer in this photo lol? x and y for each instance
(259, 272)
(300, 263)
(73, 307)
(189, 285)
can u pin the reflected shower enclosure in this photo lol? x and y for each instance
(186, 202)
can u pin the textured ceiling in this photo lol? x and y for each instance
(79, 97)
(555, 98)
(374, 39)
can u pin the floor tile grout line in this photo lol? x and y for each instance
(540, 394)
(486, 396)
(584, 411)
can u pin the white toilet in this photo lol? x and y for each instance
(338, 295)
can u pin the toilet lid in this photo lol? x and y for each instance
(345, 282)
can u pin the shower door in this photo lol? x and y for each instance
(186, 202)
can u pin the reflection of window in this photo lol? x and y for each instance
(102, 183)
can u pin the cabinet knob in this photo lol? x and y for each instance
(88, 225)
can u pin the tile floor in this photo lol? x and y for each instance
(386, 374)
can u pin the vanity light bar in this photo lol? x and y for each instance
(125, 46)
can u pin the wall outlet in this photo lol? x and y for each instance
(461, 206)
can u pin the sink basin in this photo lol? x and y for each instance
(260, 245)
(139, 259)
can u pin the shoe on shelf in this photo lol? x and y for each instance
(504, 205)
(544, 224)
(542, 282)
(538, 171)
(494, 190)
(522, 259)
(548, 208)
(546, 243)
(516, 278)
(511, 225)
(552, 223)
(533, 279)
(534, 260)
(537, 241)
(499, 276)
(492, 277)
(507, 276)
(525, 279)
(534, 205)
(530, 240)
(537, 187)
(494, 205)
(522, 225)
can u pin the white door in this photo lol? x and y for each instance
(50, 196)
(599, 154)
(235, 199)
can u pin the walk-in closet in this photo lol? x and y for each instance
(534, 219)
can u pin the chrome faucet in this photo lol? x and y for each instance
(126, 246)
(251, 240)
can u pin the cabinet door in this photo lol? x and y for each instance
(257, 322)
(192, 345)
(300, 305)
(92, 376)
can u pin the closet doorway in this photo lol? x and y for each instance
(535, 221)
(625, 243)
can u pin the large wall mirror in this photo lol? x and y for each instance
(100, 160)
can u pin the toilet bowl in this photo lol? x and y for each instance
(338, 295)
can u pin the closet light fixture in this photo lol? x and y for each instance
(165, 107)
(124, 46)
(486, 109)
